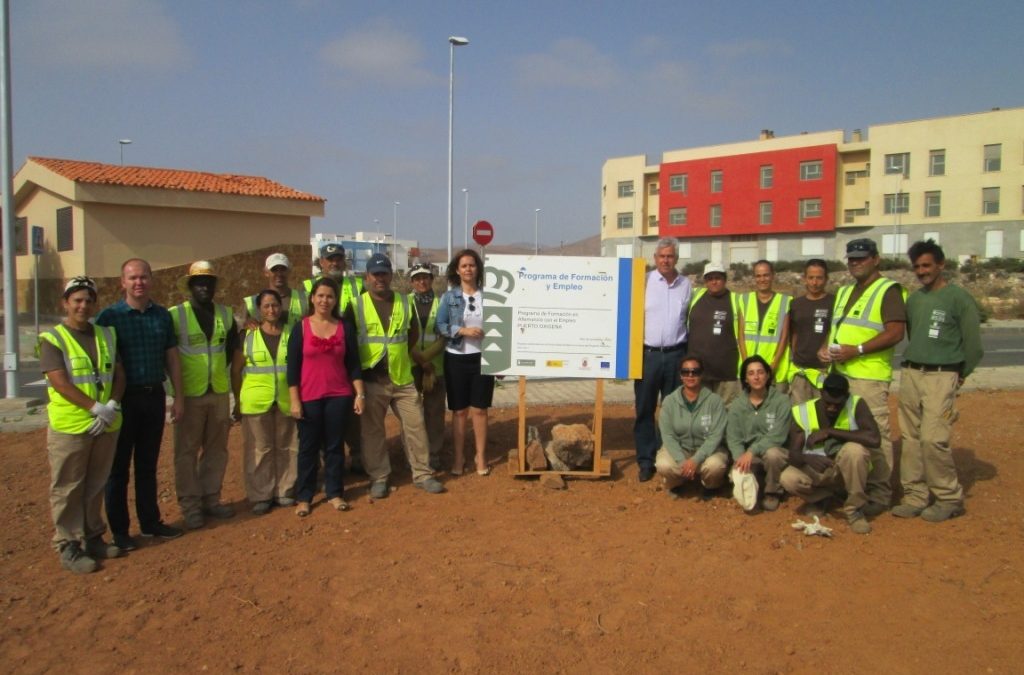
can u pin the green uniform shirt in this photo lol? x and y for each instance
(758, 428)
(944, 328)
(695, 433)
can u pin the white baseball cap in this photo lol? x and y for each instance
(275, 259)
(713, 267)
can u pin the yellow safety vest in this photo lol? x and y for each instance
(296, 307)
(428, 336)
(373, 341)
(734, 301)
(856, 325)
(203, 362)
(95, 380)
(764, 339)
(264, 379)
(806, 417)
(351, 287)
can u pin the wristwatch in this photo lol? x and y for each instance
(860, 349)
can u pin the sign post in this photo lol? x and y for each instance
(37, 250)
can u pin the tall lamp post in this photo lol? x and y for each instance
(536, 220)
(394, 238)
(453, 42)
(123, 142)
(465, 193)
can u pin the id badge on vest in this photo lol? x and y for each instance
(719, 320)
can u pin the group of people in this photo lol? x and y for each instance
(311, 369)
(793, 393)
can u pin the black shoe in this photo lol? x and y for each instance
(124, 542)
(707, 494)
(163, 531)
(646, 473)
(872, 509)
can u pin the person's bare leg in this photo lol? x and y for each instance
(479, 417)
(459, 440)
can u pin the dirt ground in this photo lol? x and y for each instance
(503, 575)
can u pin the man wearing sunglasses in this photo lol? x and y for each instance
(666, 301)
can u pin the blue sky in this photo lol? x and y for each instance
(349, 100)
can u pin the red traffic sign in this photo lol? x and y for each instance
(483, 232)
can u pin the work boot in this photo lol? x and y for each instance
(940, 511)
(858, 523)
(906, 511)
(96, 548)
(72, 559)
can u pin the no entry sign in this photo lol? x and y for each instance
(483, 232)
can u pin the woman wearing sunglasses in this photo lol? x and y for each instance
(692, 425)
(758, 428)
(460, 319)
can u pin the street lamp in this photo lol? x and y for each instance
(394, 238)
(123, 142)
(536, 219)
(453, 42)
(465, 193)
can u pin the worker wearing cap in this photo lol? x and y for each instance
(830, 442)
(207, 340)
(714, 332)
(386, 336)
(765, 324)
(86, 383)
(428, 359)
(293, 301)
(333, 264)
(868, 321)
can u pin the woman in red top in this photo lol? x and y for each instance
(325, 382)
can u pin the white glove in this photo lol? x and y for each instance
(99, 425)
(106, 411)
(811, 529)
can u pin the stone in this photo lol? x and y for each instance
(552, 481)
(572, 446)
(536, 460)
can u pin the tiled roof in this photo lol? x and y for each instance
(171, 179)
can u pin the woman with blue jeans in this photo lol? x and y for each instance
(460, 319)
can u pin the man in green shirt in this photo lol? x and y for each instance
(945, 347)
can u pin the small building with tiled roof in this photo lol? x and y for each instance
(94, 216)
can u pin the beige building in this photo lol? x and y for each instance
(94, 216)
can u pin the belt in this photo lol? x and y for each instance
(144, 388)
(926, 368)
(673, 348)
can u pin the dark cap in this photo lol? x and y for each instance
(836, 384)
(420, 268)
(377, 263)
(331, 248)
(861, 248)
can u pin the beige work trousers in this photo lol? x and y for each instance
(876, 395)
(201, 451)
(79, 469)
(927, 413)
(404, 402)
(849, 473)
(772, 464)
(270, 455)
(727, 390)
(712, 470)
(801, 390)
(435, 408)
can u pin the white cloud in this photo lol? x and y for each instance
(570, 62)
(381, 53)
(739, 49)
(103, 34)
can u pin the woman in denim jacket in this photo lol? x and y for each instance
(460, 319)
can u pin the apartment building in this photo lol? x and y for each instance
(958, 180)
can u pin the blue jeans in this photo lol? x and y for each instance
(660, 378)
(322, 427)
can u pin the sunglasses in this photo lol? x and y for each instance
(472, 305)
(690, 372)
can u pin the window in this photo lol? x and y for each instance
(993, 157)
(849, 215)
(934, 236)
(716, 181)
(652, 222)
(898, 163)
(810, 208)
(898, 202)
(853, 176)
(766, 213)
(677, 216)
(65, 230)
(937, 163)
(990, 200)
(679, 183)
(767, 176)
(810, 170)
(652, 188)
(812, 246)
(932, 204)
(21, 236)
(685, 250)
(895, 244)
(715, 215)
(625, 221)
(626, 188)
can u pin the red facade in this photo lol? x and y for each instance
(741, 194)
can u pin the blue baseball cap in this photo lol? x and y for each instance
(378, 263)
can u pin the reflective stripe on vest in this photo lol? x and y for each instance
(203, 364)
(806, 416)
(859, 323)
(815, 376)
(758, 339)
(95, 380)
(429, 337)
(264, 380)
(372, 345)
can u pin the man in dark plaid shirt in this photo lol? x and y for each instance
(147, 345)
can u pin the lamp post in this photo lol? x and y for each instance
(453, 42)
(536, 220)
(394, 238)
(465, 193)
(123, 142)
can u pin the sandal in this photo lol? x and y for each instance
(339, 504)
(302, 510)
